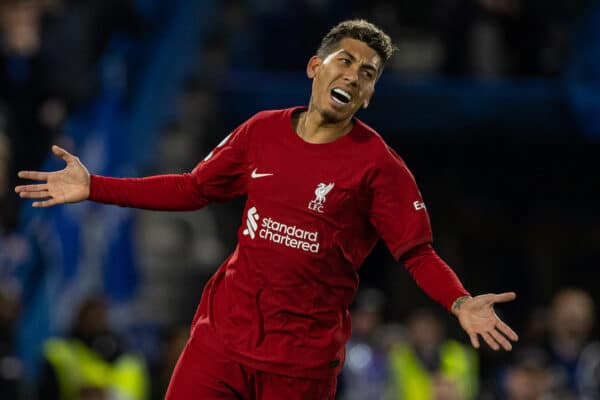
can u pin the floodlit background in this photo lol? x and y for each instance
(493, 104)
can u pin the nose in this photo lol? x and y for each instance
(351, 76)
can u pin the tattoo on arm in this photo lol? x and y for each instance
(458, 303)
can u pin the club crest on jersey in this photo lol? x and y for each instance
(318, 203)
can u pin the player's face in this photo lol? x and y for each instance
(345, 80)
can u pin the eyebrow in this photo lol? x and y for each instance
(351, 56)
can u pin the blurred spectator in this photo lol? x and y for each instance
(528, 376)
(416, 30)
(92, 363)
(484, 38)
(242, 48)
(75, 36)
(274, 19)
(44, 44)
(7, 206)
(365, 372)
(22, 81)
(13, 250)
(430, 366)
(11, 368)
(533, 34)
(171, 347)
(575, 357)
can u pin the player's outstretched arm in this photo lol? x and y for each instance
(69, 185)
(478, 318)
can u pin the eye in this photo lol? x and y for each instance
(345, 61)
(368, 74)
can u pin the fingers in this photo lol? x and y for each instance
(62, 153)
(35, 195)
(497, 337)
(39, 193)
(487, 337)
(33, 191)
(43, 176)
(31, 188)
(507, 331)
(474, 340)
(500, 339)
(46, 203)
(492, 338)
(504, 297)
(33, 175)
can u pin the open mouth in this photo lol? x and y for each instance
(340, 96)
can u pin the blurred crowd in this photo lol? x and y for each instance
(92, 361)
(49, 56)
(481, 38)
(50, 52)
(557, 357)
(397, 351)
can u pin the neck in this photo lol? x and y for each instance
(312, 127)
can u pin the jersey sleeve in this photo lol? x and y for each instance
(396, 208)
(433, 275)
(220, 176)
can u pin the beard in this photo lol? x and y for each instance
(328, 116)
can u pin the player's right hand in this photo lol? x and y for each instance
(69, 185)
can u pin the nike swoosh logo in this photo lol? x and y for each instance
(254, 175)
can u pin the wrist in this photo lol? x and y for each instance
(457, 304)
(90, 186)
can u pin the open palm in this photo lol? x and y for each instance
(69, 185)
(478, 318)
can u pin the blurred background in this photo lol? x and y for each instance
(493, 104)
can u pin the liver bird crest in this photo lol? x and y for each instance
(321, 191)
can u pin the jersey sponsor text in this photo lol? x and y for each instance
(280, 233)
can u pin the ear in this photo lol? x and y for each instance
(313, 64)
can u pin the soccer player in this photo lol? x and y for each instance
(321, 188)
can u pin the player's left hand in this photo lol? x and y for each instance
(478, 318)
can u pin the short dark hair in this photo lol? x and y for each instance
(358, 29)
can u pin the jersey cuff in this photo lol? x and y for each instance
(94, 183)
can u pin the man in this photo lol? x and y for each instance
(91, 363)
(322, 187)
(430, 365)
(365, 375)
(574, 354)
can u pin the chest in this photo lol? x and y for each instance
(321, 185)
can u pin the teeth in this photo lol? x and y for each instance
(343, 93)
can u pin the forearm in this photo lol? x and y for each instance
(434, 276)
(162, 192)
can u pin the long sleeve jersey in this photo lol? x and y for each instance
(313, 213)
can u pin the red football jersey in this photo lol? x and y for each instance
(313, 214)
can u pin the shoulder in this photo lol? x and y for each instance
(271, 116)
(266, 123)
(377, 149)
